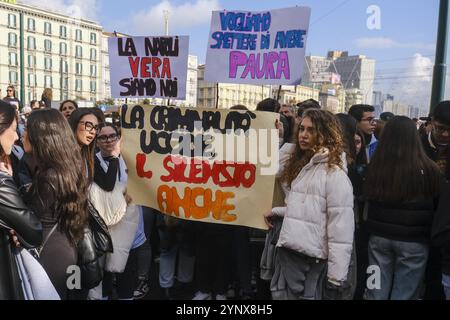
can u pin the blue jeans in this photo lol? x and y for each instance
(402, 269)
(446, 284)
(168, 263)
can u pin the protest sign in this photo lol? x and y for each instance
(148, 67)
(201, 164)
(257, 47)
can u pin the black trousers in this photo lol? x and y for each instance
(212, 255)
(126, 281)
(241, 262)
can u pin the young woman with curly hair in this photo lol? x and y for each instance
(316, 237)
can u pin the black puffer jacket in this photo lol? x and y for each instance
(409, 222)
(440, 233)
(15, 215)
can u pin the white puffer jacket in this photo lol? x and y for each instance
(318, 219)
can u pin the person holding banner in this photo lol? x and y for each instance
(316, 237)
(124, 221)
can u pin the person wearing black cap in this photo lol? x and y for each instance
(437, 142)
(437, 146)
(386, 116)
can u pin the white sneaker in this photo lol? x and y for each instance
(221, 297)
(202, 296)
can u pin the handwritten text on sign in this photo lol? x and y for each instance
(189, 162)
(148, 67)
(257, 47)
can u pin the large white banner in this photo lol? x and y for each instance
(148, 67)
(257, 47)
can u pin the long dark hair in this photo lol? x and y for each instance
(348, 126)
(400, 170)
(7, 116)
(66, 101)
(87, 152)
(60, 168)
(328, 135)
(361, 157)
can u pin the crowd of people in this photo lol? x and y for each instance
(360, 211)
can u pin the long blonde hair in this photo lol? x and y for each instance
(48, 93)
(328, 134)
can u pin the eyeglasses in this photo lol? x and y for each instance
(9, 90)
(105, 138)
(89, 126)
(370, 120)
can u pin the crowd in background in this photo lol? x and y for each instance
(360, 211)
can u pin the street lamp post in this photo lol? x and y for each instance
(440, 69)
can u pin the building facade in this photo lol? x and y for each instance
(356, 72)
(329, 102)
(229, 94)
(352, 97)
(336, 93)
(59, 52)
(352, 72)
(296, 94)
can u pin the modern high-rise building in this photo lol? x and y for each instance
(49, 50)
(355, 72)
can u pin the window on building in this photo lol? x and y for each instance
(47, 28)
(48, 82)
(93, 70)
(13, 59)
(13, 76)
(93, 54)
(93, 86)
(31, 43)
(48, 45)
(78, 52)
(78, 85)
(12, 39)
(31, 24)
(63, 32)
(31, 80)
(12, 19)
(64, 66)
(65, 83)
(48, 63)
(78, 35)
(79, 68)
(93, 38)
(31, 61)
(63, 48)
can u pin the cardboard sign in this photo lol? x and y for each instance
(148, 67)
